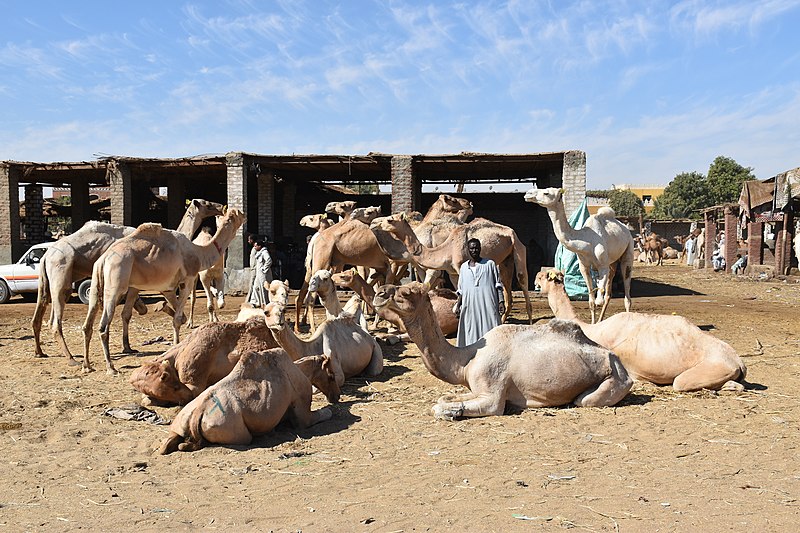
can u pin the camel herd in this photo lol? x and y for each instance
(239, 379)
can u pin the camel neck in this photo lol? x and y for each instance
(290, 342)
(561, 227)
(441, 358)
(559, 303)
(435, 258)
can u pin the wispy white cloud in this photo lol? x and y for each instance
(707, 20)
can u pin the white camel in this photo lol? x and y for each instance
(323, 286)
(212, 279)
(603, 244)
(661, 349)
(521, 365)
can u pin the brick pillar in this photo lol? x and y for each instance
(35, 225)
(573, 179)
(755, 243)
(406, 187)
(176, 201)
(79, 202)
(731, 243)
(783, 250)
(265, 198)
(119, 178)
(711, 234)
(237, 199)
(9, 213)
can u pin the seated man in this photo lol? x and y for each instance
(740, 264)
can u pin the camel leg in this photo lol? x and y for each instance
(180, 317)
(95, 302)
(522, 279)
(627, 274)
(610, 391)
(300, 309)
(375, 366)
(472, 405)
(587, 278)
(612, 270)
(126, 314)
(210, 302)
(105, 327)
(192, 298)
(507, 278)
(301, 416)
(713, 375)
(43, 298)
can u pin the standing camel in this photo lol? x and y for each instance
(499, 243)
(520, 365)
(72, 257)
(212, 279)
(661, 349)
(151, 258)
(603, 244)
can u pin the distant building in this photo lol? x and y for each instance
(647, 193)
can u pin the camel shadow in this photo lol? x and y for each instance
(645, 287)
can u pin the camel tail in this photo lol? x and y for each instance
(43, 293)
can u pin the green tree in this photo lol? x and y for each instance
(725, 178)
(625, 203)
(684, 196)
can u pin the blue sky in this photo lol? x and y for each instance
(647, 89)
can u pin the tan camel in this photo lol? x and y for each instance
(520, 365)
(348, 243)
(263, 389)
(212, 279)
(72, 257)
(442, 301)
(352, 350)
(151, 258)
(341, 208)
(201, 359)
(661, 349)
(603, 244)
(278, 291)
(322, 285)
(499, 243)
(365, 214)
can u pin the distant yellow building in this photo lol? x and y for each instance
(648, 194)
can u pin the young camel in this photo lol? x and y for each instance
(446, 213)
(520, 365)
(500, 243)
(151, 258)
(71, 259)
(262, 390)
(201, 359)
(352, 350)
(442, 301)
(212, 279)
(603, 244)
(322, 285)
(661, 349)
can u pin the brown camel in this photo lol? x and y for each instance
(661, 349)
(442, 301)
(201, 359)
(347, 243)
(602, 244)
(151, 258)
(499, 243)
(263, 389)
(343, 209)
(72, 257)
(352, 350)
(519, 365)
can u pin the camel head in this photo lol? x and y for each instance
(546, 278)
(545, 197)
(319, 221)
(232, 218)
(366, 214)
(345, 278)
(340, 208)
(459, 206)
(160, 382)
(403, 299)
(278, 291)
(321, 278)
(396, 237)
(205, 208)
(274, 316)
(319, 370)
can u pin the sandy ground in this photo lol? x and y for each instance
(659, 461)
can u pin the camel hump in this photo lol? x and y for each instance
(149, 228)
(605, 212)
(567, 327)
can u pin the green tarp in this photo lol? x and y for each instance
(567, 261)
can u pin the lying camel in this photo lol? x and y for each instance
(661, 349)
(519, 365)
(263, 389)
(200, 360)
(278, 291)
(322, 285)
(442, 301)
(352, 350)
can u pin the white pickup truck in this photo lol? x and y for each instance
(23, 276)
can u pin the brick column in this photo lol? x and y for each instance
(34, 217)
(290, 221)
(176, 201)
(755, 243)
(573, 179)
(79, 203)
(9, 213)
(783, 250)
(237, 198)
(265, 198)
(711, 234)
(731, 243)
(406, 187)
(119, 178)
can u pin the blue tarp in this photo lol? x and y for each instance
(567, 261)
